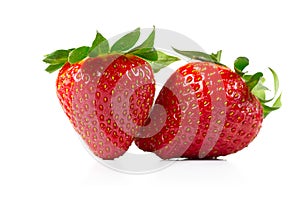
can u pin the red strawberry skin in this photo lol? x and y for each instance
(203, 111)
(107, 99)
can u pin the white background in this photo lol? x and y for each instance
(40, 155)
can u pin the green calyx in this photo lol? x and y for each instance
(254, 82)
(256, 85)
(100, 46)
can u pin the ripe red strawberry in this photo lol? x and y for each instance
(210, 111)
(107, 92)
(87, 90)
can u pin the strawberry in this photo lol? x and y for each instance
(107, 92)
(206, 110)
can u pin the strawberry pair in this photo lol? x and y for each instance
(204, 110)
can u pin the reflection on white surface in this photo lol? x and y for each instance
(201, 172)
(136, 163)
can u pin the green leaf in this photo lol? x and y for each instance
(259, 90)
(277, 104)
(259, 93)
(197, 55)
(100, 46)
(78, 54)
(146, 53)
(57, 57)
(240, 64)
(276, 81)
(162, 61)
(146, 50)
(253, 80)
(246, 77)
(276, 87)
(126, 42)
(149, 42)
(217, 56)
(194, 55)
(54, 67)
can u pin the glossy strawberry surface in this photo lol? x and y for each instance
(107, 99)
(204, 111)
